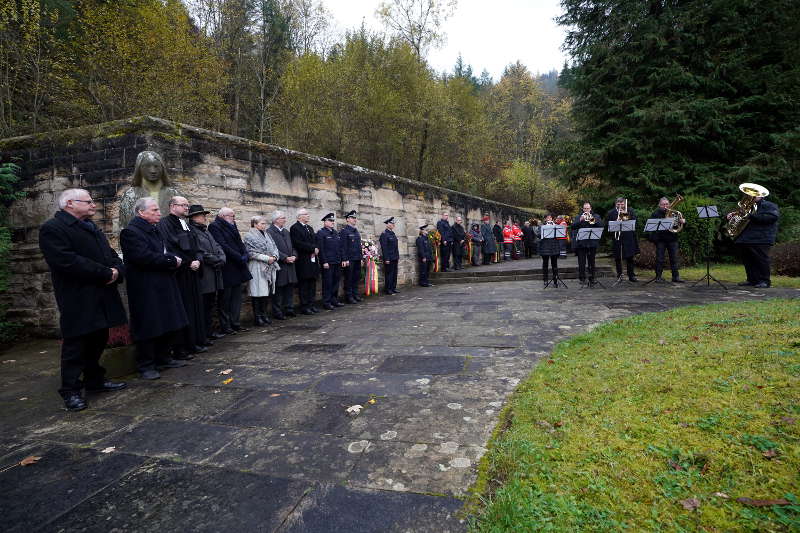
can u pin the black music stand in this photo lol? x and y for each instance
(708, 212)
(658, 224)
(554, 232)
(621, 226)
(591, 234)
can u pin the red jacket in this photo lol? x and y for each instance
(517, 233)
(508, 234)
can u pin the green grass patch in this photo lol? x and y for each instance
(730, 273)
(657, 422)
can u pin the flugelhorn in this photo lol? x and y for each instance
(740, 218)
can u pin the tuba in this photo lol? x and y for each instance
(671, 212)
(740, 218)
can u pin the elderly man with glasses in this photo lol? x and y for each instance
(234, 271)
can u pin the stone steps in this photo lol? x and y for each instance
(487, 276)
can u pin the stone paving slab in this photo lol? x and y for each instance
(274, 448)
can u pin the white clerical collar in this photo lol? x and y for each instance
(183, 224)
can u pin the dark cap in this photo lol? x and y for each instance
(197, 209)
(329, 216)
(389, 220)
(351, 214)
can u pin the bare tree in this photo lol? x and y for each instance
(310, 23)
(418, 22)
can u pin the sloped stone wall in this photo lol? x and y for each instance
(212, 169)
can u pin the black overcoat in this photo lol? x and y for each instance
(763, 225)
(80, 261)
(350, 243)
(213, 259)
(283, 241)
(424, 248)
(234, 271)
(389, 248)
(577, 224)
(630, 244)
(153, 298)
(304, 241)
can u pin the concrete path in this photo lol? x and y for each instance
(274, 449)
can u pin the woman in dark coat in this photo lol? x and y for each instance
(154, 300)
(212, 261)
(549, 249)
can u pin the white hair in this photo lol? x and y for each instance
(256, 219)
(302, 211)
(225, 211)
(142, 203)
(277, 214)
(69, 194)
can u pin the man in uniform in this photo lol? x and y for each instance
(446, 244)
(85, 272)
(390, 255)
(330, 260)
(424, 255)
(350, 243)
(666, 240)
(624, 243)
(306, 266)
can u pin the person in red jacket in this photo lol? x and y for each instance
(508, 240)
(516, 234)
(562, 241)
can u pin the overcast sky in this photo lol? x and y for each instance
(488, 34)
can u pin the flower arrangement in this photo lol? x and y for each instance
(435, 238)
(369, 253)
(369, 250)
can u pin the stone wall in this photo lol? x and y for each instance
(212, 169)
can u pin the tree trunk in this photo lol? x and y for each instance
(422, 147)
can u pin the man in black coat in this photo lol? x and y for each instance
(755, 242)
(665, 241)
(625, 244)
(497, 232)
(446, 244)
(181, 240)
(459, 242)
(285, 279)
(154, 300)
(586, 248)
(390, 255)
(212, 261)
(424, 255)
(85, 272)
(528, 238)
(350, 242)
(330, 260)
(234, 271)
(306, 267)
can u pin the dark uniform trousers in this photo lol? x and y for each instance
(755, 258)
(82, 354)
(586, 255)
(444, 255)
(330, 283)
(351, 275)
(671, 247)
(390, 275)
(306, 289)
(458, 254)
(424, 268)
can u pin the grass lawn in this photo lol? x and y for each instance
(729, 274)
(658, 422)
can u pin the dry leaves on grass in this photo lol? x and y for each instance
(769, 454)
(31, 459)
(227, 381)
(690, 504)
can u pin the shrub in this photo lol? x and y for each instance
(789, 224)
(786, 258)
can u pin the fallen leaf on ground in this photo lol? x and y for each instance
(23, 398)
(559, 424)
(372, 401)
(9, 361)
(229, 380)
(762, 503)
(274, 395)
(549, 361)
(645, 360)
(788, 420)
(690, 504)
(662, 341)
(721, 495)
(31, 459)
(225, 372)
(109, 449)
(354, 409)
(769, 454)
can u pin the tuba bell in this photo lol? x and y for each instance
(740, 218)
(671, 212)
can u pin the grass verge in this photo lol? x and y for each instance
(658, 422)
(729, 274)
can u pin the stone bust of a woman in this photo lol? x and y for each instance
(149, 179)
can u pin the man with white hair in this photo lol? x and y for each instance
(85, 272)
(234, 271)
(283, 301)
(304, 241)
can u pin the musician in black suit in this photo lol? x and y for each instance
(755, 242)
(625, 244)
(586, 248)
(666, 241)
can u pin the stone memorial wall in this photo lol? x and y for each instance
(211, 169)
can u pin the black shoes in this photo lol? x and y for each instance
(395, 291)
(74, 402)
(425, 285)
(745, 284)
(338, 304)
(358, 298)
(216, 335)
(313, 309)
(350, 300)
(228, 332)
(306, 312)
(240, 329)
(170, 363)
(329, 307)
(761, 285)
(677, 280)
(182, 356)
(633, 279)
(107, 386)
(150, 374)
(290, 313)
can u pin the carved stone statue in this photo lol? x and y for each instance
(149, 179)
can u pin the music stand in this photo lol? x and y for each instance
(550, 231)
(621, 226)
(658, 224)
(591, 234)
(708, 212)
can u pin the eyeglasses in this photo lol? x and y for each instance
(182, 205)
(85, 201)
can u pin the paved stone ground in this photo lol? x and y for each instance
(274, 449)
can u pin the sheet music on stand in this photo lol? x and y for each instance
(553, 231)
(659, 224)
(621, 225)
(707, 211)
(590, 234)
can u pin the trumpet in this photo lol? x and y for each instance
(740, 218)
(588, 217)
(624, 214)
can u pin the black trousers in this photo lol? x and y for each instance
(755, 258)
(390, 275)
(283, 301)
(209, 300)
(424, 268)
(444, 255)
(618, 262)
(458, 255)
(586, 255)
(230, 307)
(351, 275)
(553, 262)
(330, 283)
(81, 355)
(150, 352)
(306, 290)
(487, 258)
(194, 334)
(670, 247)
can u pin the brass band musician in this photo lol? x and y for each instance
(586, 248)
(625, 244)
(760, 221)
(666, 240)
